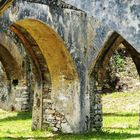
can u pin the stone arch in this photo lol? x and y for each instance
(24, 90)
(97, 73)
(11, 61)
(13, 55)
(10, 57)
(61, 98)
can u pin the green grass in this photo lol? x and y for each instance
(120, 122)
(17, 125)
(121, 113)
(121, 102)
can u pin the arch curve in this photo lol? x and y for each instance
(9, 63)
(64, 89)
(49, 43)
(104, 55)
(96, 75)
(10, 57)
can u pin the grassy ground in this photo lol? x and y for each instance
(121, 114)
(120, 122)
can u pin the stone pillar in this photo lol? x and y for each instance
(95, 104)
(29, 82)
(37, 108)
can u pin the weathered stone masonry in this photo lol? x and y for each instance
(18, 98)
(66, 74)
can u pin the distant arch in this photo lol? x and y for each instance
(107, 51)
(9, 63)
(10, 57)
(97, 73)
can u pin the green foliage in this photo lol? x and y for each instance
(119, 62)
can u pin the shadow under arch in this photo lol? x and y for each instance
(97, 73)
(59, 72)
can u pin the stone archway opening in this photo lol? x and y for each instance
(56, 97)
(98, 81)
(19, 71)
(14, 91)
(10, 70)
(121, 73)
(121, 92)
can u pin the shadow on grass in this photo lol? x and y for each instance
(105, 135)
(122, 128)
(19, 116)
(121, 114)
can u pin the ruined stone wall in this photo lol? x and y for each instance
(81, 35)
(120, 15)
(95, 89)
(66, 27)
(16, 94)
(84, 36)
(23, 90)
